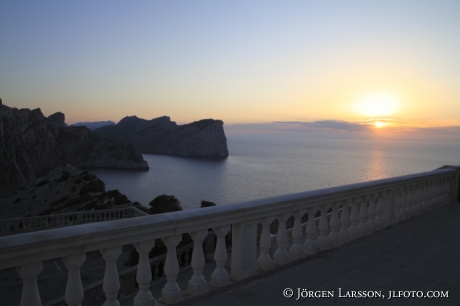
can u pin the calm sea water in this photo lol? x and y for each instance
(264, 168)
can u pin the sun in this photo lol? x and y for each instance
(377, 105)
(379, 124)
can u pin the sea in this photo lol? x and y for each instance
(260, 168)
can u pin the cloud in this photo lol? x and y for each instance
(394, 129)
(327, 125)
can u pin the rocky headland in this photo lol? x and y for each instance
(31, 145)
(204, 138)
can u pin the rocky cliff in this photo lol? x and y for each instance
(162, 136)
(31, 145)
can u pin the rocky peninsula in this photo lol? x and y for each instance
(204, 138)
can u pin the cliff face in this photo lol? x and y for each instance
(162, 136)
(31, 145)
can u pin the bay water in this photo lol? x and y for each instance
(259, 168)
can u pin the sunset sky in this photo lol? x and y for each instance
(378, 63)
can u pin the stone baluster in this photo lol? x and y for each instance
(409, 208)
(362, 227)
(371, 214)
(379, 210)
(444, 186)
(220, 275)
(29, 273)
(111, 283)
(74, 290)
(424, 197)
(322, 241)
(334, 239)
(388, 205)
(421, 199)
(397, 201)
(296, 251)
(265, 262)
(171, 292)
(144, 274)
(344, 223)
(436, 193)
(197, 284)
(440, 192)
(309, 246)
(416, 199)
(433, 193)
(403, 204)
(354, 219)
(446, 194)
(281, 255)
(410, 201)
(413, 200)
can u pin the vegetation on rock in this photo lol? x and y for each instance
(163, 204)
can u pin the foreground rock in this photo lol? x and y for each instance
(65, 189)
(31, 145)
(162, 136)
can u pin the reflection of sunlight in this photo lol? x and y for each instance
(376, 168)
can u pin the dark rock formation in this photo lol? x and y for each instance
(94, 125)
(58, 117)
(162, 136)
(31, 145)
(64, 189)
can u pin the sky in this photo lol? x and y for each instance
(345, 65)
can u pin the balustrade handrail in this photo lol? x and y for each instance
(32, 247)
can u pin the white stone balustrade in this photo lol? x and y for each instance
(346, 212)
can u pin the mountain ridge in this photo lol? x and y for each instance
(94, 125)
